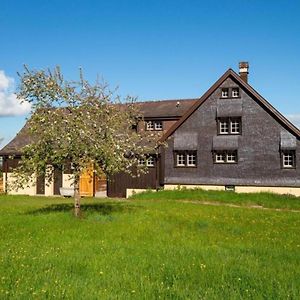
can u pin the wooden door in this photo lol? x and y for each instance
(40, 185)
(58, 180)
(101, 185)
(86, 185)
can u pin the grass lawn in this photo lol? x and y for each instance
(147, 248)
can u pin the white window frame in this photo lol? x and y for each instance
(225, 157)
(235, 126)
(141, 162)
(220, 157)
(288, 159)
(225, 93)
(150, 161)
(158, 125)
(235, 92)
(191, 159)
(227, 126)
(149, 125)
(223, 124)
(230, 155)
(180, 159)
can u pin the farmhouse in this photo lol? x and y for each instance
(229, 139)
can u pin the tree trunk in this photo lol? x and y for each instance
(76, 198)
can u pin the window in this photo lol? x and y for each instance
(220, 157)
(141, 162)
(186, 158)
(158, 125)
(231, 157)
(235, 92)
(229, 125)
(227, 157)
(150, 125)
(289, 159)
(191, 159)
(154, 125)
(150, 161)
(180, 160)
(235, 126)
(224, 126)
(225, 93)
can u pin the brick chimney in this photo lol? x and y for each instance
(244, 67)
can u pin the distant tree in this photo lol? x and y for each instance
(79, 122)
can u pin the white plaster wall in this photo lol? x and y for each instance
(67, 180)
(241, 189)
(25, 191)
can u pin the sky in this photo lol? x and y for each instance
(159, 49)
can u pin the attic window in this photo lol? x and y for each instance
(235, 93)
(225, 93)
(229, 125)
(154, 125)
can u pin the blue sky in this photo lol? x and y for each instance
(152, 49)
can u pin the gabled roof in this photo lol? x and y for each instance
(17, 143)
(262, 101)
(163, 109)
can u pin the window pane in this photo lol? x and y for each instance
(235, 92)
(149, 125)
(158, 125)
(191, 160)
(141, 162)
(231, 157)
(288, 159)
(225, 93)
(223, 127)
(235, 126)
(180, 159)
(220, 157)
(150, 161)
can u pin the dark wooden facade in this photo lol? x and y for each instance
(258, 145)
(117, 185)
(193, 125)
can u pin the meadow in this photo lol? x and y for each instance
(150, 247)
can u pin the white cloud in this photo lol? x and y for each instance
(295, 119)
(9, 104)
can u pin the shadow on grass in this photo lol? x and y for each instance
(100, 208)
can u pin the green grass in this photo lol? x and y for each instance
(146, 249)
(267, 200)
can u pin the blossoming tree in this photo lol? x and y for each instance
(79, 122)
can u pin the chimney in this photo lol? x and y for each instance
(244, 67)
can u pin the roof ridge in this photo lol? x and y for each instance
(168, 100)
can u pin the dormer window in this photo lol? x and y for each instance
(235, 93)
(225, 93)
